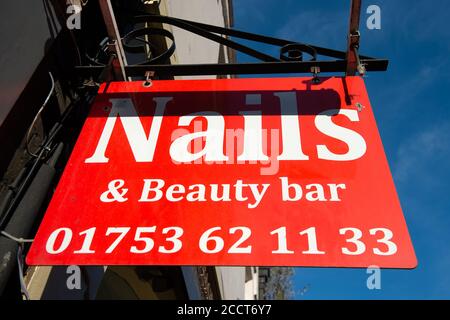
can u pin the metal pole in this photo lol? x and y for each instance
(25, 216)
(237, 68)
(353, 39)
(114, 35)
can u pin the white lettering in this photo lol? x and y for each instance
(214, 136)
(356, 144)
(290, 128)
(286, 188)
(143, 147)
(317, 193)
(257, 195)
(253, 149)
(147, 189)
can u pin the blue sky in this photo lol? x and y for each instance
(412, 109)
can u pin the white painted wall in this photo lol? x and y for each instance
(191, 48)
(231, 282)
(252, 286)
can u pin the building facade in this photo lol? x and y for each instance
(43, 104)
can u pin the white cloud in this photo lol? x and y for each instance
(401, 91)
(422, 156)
(249, 10)
(421, 20)
(316, 27)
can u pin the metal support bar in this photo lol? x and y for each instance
(114, 35)
(291, 59)
(194, 27)
(353, 38)
(240, 68)
(188, 25)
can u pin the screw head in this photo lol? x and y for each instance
(359, 106)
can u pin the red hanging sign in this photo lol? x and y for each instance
(227, 172)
